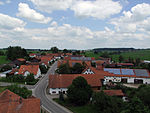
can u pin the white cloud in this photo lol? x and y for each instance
(7, 22)
(100, 9)
(26, 12)
(54, 24)
(8, 1)
(51, 5)
(1, 3)
(74, 37)
(133, 20)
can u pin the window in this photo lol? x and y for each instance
(53, 91)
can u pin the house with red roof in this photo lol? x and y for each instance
(12, 103)
(60, 83)
(125, 64)
(45, 60)
(134, 76)
(30, 69)
(32, 55)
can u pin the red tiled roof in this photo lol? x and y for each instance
(125, 64)
(32, 54)
(30, 68)
(46, 58)
(64, 80)
(12, 103)
(114, 92)
(71, 62)
(21, 59)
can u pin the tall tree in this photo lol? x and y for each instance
(137, 61)
(64, 69)
(16, 52)
(79, 92)
(136, 106)
(121, 58)
(77, 68)
(54, 50)
(65, 51)
(106, 104)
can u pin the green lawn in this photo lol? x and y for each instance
(3, 60)
(142, 54)
(91, 54)
(77, 109)
(2, 89)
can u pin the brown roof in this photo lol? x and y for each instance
(125, 64)
(71, 62)
(30, 68)
(12, 103)
(21, 59)
(114, 92)
(65, 80)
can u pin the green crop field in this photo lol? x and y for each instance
(142, 54)
(3, 60)
(91, 54)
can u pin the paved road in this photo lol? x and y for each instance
(39, 92)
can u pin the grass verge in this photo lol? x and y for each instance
(76, 109)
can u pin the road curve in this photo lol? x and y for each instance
(40, 90)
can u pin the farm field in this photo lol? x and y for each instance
(3, 60)
(142, 54)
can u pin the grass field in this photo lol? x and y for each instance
(3, 60)
(77, 109)
(91, 54)
(142, 54)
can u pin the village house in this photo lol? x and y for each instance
(60, 83)
(12, 103)
(30, 69)
(45, 60)
(73, 62)
(135, 76)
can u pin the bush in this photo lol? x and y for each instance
(5, 68)
(106, 104)
(43, 69)
(30, 78)
(23, 92)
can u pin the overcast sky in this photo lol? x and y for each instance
(75, 24)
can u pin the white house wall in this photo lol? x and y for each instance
(88, 71)
(129, 79)
(57, 90)
(26, 73)
(38, 74)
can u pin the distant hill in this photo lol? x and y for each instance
(113, 49)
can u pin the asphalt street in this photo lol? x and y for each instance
(40, 92)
